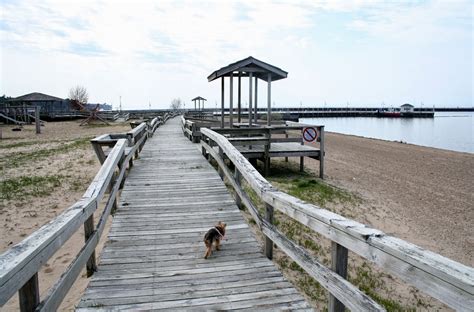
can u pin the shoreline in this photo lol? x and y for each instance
(451, 133)
(399, 142)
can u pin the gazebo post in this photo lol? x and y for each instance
(194, 104)
(269, 100)
(222, 103)
(239, 107)
(255, 116)
(231, 105)
(250, 99)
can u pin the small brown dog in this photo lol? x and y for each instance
(215, 234)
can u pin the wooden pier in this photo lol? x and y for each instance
(154, 255)
(170, 197)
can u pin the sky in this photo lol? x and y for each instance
(146, 53)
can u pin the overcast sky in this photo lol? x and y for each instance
(357, 52)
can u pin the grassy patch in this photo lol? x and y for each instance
(287, 177)
(313, 190)
(28, 186)
(371, 283)
(16, 159)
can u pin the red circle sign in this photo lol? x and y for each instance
(310, 134)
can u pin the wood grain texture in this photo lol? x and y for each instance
(449, 281)
(153, 258)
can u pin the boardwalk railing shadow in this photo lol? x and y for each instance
(444, 279)
(19, 265)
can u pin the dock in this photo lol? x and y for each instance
(164, 196)
(153, 258)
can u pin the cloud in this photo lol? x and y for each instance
(320, 43)
(87, 49)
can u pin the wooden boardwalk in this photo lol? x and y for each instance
(153, 258)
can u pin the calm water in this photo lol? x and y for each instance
(447, 130)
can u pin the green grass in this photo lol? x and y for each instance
(371, 283)
(29, 186)
(313, 190)
(17, 159)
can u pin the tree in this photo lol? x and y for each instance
(176, 104)
(79, 94)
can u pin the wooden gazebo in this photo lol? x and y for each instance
(199, 100)
(249, 67)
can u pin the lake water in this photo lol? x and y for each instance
(447, 130)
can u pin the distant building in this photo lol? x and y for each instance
(48, 104)
(407, 108)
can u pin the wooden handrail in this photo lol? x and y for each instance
(20, 264)
(449, 281)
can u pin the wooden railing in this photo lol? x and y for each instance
(261, 136)
(19, 265)
(440, 277)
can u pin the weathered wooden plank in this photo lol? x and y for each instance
(156, 244)
(419, 267)
(183, 279)
(20, 263)
(347, 293)
(174, 301)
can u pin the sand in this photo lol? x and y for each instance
(422, 195)
(74, 167)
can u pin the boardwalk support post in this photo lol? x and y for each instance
(91, 265)
(321, 151)
(203, 149)
(266, 156)
(221, 156)
(338, 265)
(302, 157)
(29, 294)
(238, 180)
(268, 241)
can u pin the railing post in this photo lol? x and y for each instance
(29, 294)
(238, 180)
(338, 265)
(221, 155)
(321, 153)
(302, 157)
(120, 166)
(203, 149)
(130, 144)
(266, 155)
(268, 241)
(286, 136)
(98, 151)
(194, 137)
(91, 265)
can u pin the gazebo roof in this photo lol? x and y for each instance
(198, 98)
(407, 105)
(258, 69)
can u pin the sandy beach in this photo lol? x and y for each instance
(419, 194)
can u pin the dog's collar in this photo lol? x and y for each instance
(222, 236)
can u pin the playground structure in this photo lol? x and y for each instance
(21, 115)
(93, 113)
